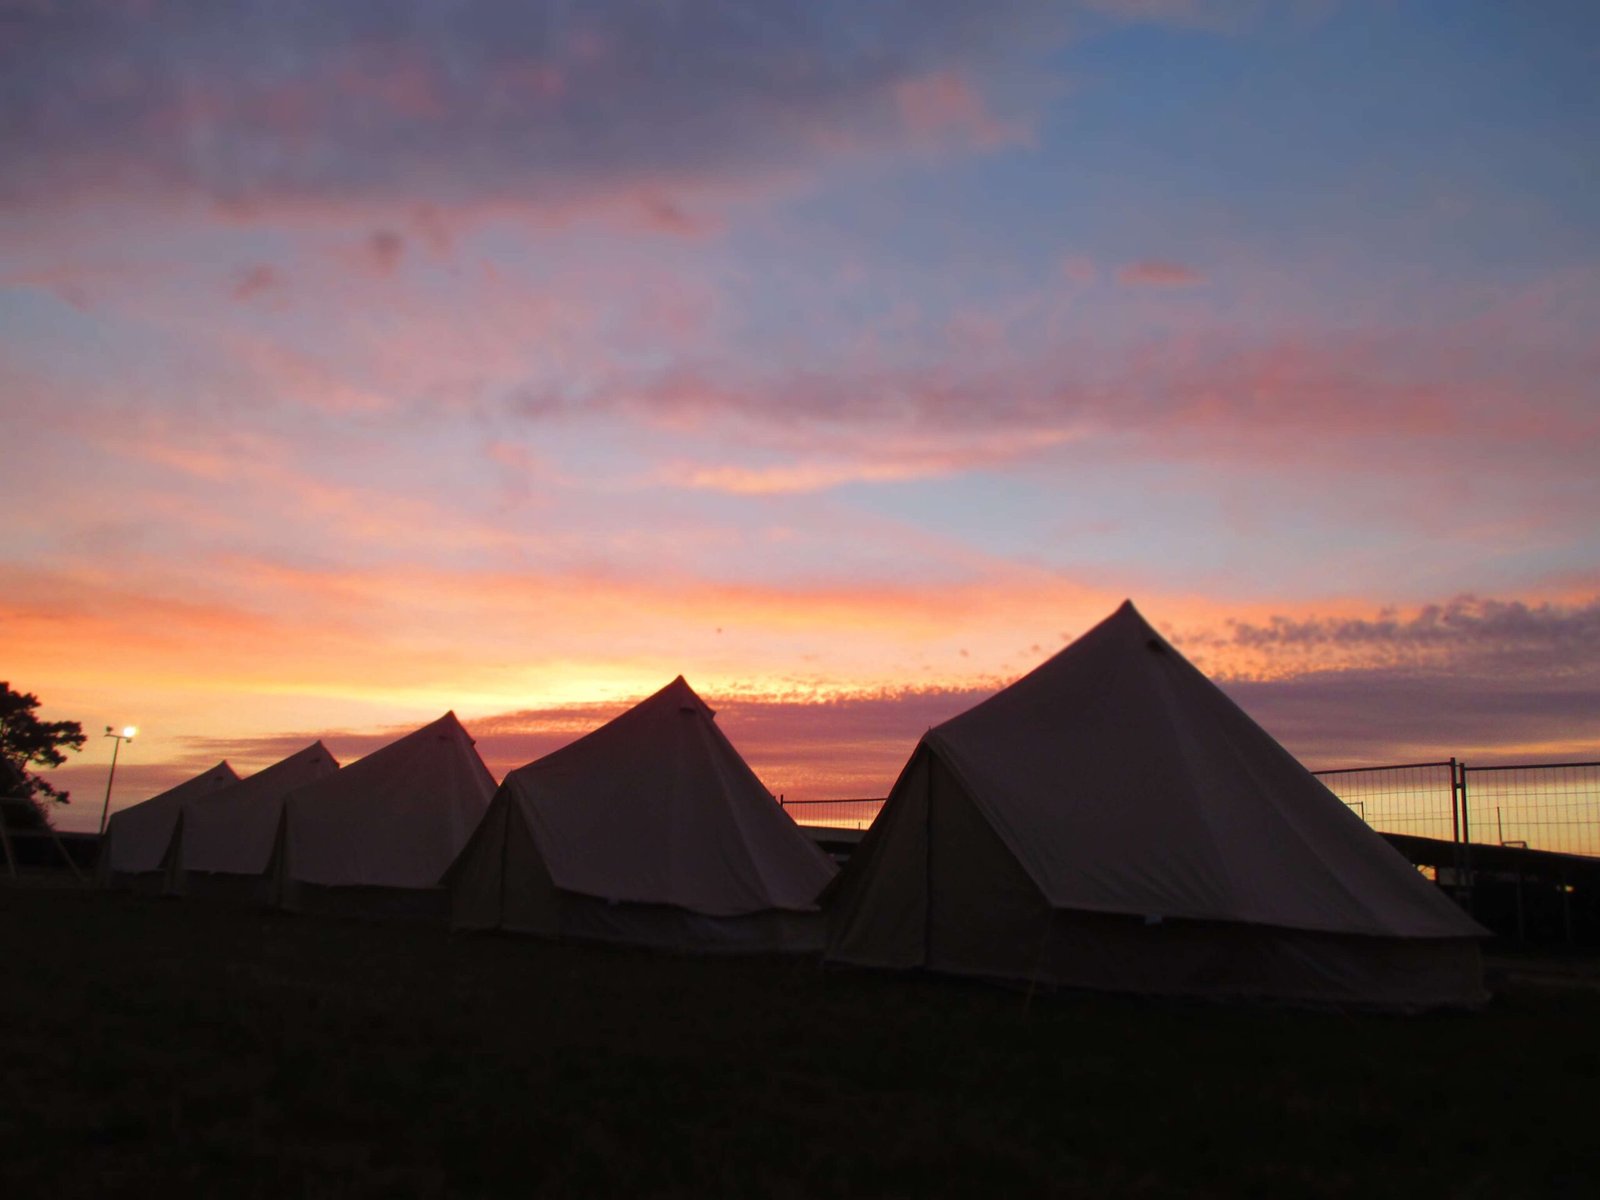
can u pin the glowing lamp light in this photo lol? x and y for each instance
(118, 738)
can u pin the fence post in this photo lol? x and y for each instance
(1455, 807)
(1466, 885)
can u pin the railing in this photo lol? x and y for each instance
(1541, 806)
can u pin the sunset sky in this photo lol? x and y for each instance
(364, 360)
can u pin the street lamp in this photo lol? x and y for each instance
(125, 736)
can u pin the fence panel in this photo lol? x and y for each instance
(836, 814)
(1543, 806)
(1414, 798)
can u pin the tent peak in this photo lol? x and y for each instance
(686, 698)
(1127, 609)
(309, 753)
(445, 725)
(1133, 624)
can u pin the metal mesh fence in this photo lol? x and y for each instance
(836, 814)
(1543, 806)
(1414, 798)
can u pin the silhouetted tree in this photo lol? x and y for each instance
(27, 741)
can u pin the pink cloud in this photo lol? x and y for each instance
(1213, 15)
(349, 108)
(81, 285)
(1158, 273)
(260, 280)
(397, 79)
(380, 253)
(430, 225)
(944, 104)
(877, 459)
(663, 215)
(1080, 270)
(530, 81)
(297, 377)
(1199, 393)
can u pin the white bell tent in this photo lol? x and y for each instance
(650, 830)
(376, 836)
(1113, 820)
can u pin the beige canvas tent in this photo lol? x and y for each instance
(135, 852)
(1112, 820)
(375, 837)
(228, 841)
(650, 830)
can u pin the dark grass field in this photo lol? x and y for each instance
(153, 1045)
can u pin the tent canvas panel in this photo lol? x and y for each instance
(499, 880)
(232, 887)
(360, 848)
(473, 879)
(877, 907)
(529, 901)
(985, 915)
(234, 840)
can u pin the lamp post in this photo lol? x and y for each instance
(125, 736)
